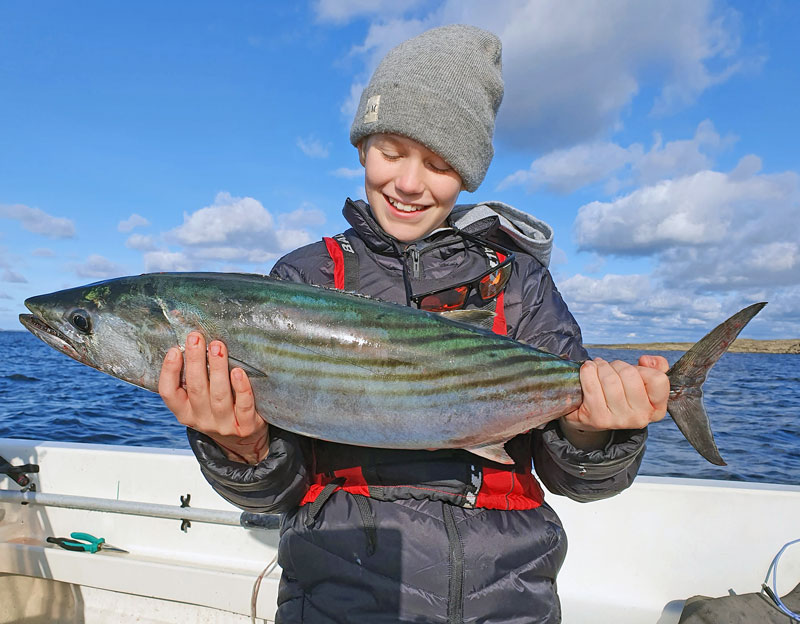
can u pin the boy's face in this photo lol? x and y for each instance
(410, 188)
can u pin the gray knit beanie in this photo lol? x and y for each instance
(441, 88)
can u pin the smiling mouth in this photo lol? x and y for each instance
(405, 207)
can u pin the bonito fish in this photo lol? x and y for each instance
(347, 368)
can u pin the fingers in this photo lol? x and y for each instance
(594, 401)
(656, 384)
(247, 419)
(169, 385)
(220, 396)
(632, 399)
(618, 395)
(214, 401)
(658, 362)
(197, 377)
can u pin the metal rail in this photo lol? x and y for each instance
(134, 508)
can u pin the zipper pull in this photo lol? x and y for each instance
(415, 261)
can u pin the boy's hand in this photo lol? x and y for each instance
(216, 403)
(617, 395)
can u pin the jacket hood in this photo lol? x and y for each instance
(530, 234)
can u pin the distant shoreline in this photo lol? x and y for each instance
(740, 345)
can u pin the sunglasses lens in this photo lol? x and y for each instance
(450, 299)
(491, 285)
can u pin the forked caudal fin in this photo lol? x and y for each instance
(686, 378)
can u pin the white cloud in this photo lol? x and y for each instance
(157, 261)
(346, 10)
(99, 267)
(682, 157)
(571, 74)
(608, 289)
(134, 221)
(567, 170)
(226, 219)
(618, 308)
(313, 148)
(240, 229)
(37, 221)
(13, 277)
(350, 105)
(707, 232)
(344, 172)
(140, 242)
(305, 216)
(43, 252)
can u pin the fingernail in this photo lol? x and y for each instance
(172, 354)
(236, 373)
(193, 340)
(215, 349)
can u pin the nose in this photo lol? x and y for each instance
(409, 180)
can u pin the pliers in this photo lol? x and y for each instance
(84, 542)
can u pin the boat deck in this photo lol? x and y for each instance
(632, 559)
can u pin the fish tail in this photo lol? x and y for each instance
(686, 378)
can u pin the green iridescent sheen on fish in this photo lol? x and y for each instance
(328, 364)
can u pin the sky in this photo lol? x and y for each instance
(659, 139)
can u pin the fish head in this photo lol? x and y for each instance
(113, 326)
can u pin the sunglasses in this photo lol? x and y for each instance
(487, 285)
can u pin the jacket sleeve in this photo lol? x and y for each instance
(274, 485)
(281, 479)
(546, 323)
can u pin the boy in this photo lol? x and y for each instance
(377, 535)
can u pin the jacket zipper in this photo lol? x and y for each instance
(414, 252)
(455, 592)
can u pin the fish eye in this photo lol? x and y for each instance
(81, 320)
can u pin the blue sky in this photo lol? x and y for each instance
(659, 139)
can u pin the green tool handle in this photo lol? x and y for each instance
(97, 541)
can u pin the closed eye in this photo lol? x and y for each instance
(439, 168)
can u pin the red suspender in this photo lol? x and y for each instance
(499, 326)
(335, 250)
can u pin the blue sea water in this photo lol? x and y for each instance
(753, 401)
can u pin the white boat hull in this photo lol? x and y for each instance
(633, 558)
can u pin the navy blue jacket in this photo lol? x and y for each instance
(406, 558)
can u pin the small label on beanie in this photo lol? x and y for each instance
(373, 103)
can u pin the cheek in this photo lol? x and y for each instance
(447, 191)
(376, 172)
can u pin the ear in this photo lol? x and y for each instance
(362, 154)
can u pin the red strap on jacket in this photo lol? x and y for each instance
(499, 326)
(337, 256)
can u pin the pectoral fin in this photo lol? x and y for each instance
(492, 452)
(251, 371)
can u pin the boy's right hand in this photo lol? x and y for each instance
(214, 402)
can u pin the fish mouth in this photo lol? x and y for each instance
(49, 334)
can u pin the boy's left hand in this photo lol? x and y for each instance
(617, 395)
